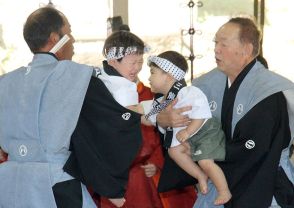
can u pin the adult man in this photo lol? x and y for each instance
(41, 107)
(254, 106)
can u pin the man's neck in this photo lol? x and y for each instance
(236, 72)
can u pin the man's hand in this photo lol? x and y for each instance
(173, 117)
(118, 202)
(149, 169)
(2, 155)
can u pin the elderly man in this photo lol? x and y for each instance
(255, 107)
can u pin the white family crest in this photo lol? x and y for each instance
(240, 109)
(23, 150)
(250, 144)
(96, 71)
(28, 70)
(126, 116)
(212, 105)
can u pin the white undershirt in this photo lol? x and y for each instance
(123, 90)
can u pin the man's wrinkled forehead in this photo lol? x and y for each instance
(228, 32)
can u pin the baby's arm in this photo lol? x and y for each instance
(186, 133)
(145, 121)
(136, 108)
(140, 109)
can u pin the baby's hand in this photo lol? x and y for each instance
(118, 202)
(182, 135)
(149, 169)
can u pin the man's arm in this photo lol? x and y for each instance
(173, 117)
(98, 158)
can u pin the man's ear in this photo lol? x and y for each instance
(248, 49)
(53, 38)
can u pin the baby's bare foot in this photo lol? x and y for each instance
(118, 202)
(202, 180)
(223, 197)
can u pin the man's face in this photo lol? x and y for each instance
(67, 51)
(229, 51)
(129, 66)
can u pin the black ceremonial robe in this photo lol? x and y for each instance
(254, 115)
(105, 142)
(245, 166)
(250, 172)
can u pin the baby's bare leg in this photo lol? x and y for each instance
(218, 178)
(182, 157)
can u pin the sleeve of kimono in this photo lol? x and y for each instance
(105, 142)
(261, 126)
(255, 150)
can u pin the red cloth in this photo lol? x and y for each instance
(183, 198)
(141, 190)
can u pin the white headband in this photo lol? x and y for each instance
(112, 54)
(167, 66)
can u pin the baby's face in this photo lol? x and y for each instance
(130, 66)
(158, 80)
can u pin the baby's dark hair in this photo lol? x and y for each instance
(175, 58)
(123, 39)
